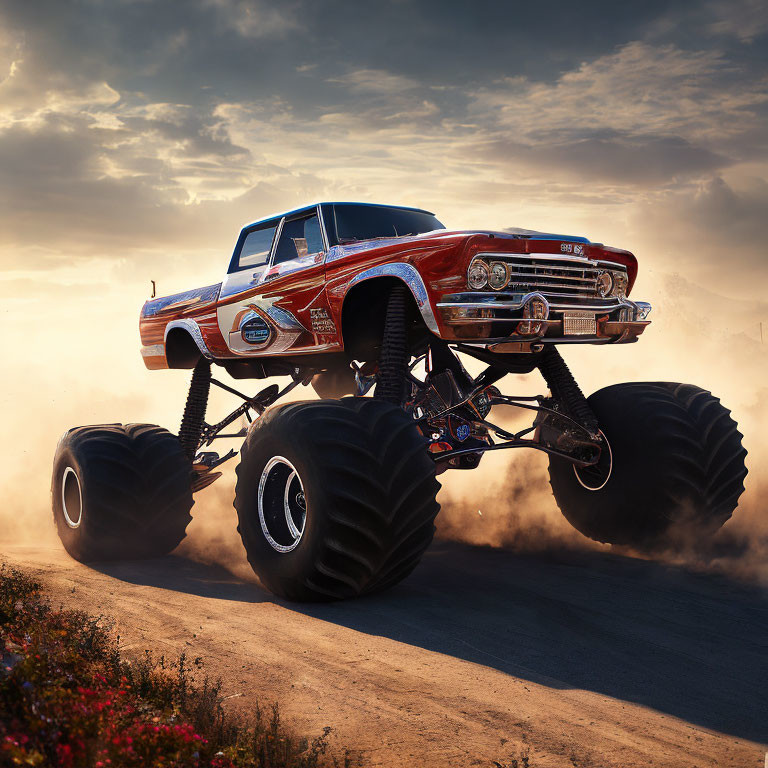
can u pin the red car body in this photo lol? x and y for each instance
(296, 309)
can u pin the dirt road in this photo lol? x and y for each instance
(590, 659)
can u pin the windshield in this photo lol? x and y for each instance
(366, 222)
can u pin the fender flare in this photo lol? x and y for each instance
(193, 329)
(411, 277)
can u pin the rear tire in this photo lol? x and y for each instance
(120, 492)
(672, 473)
(358, 513)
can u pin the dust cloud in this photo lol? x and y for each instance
(698, 336)
(212, 536)
(506, 503)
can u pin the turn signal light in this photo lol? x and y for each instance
(536, 309)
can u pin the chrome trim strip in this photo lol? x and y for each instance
(153, 350)
(410, 276)
(554, 257)
(193, 329)
(520, 304)
(271, 258)
(176, 301)
(642, 309)
(591, 307)
(284, 328)
(539, 264)
(284, 319)
(609, 304)
(326, 242)
(533, 272)
(270, 263)
(573, 278)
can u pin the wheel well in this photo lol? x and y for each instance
(181, 351)
(362, 319)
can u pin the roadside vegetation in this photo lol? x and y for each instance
(69, 699)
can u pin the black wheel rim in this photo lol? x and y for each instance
(282, 505)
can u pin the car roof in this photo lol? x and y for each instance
(309, 206)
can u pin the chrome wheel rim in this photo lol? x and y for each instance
(595, 477)
(282, 505)
(71, 498)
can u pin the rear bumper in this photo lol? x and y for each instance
(513, 319)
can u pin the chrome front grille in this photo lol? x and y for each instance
(558, 277)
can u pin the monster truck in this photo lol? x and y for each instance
(382, 311)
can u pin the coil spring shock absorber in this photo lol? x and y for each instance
(393, 360)
(194, 411)
(565, 390)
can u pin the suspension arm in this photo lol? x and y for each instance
(259, 403)
(564, 425)
(447, 455)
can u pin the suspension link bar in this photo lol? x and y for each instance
(259, 403)
(440, 457)
(564, 426)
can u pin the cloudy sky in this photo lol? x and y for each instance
(137, 136)
(135, 126)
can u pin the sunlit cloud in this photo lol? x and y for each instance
(257, 19)
(124, 150)
(376, 81)
(136, 139)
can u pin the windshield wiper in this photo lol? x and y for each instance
(350, 240)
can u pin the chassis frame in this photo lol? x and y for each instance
(457, 429)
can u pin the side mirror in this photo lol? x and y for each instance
(300, 243)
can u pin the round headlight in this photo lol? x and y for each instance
(604, 283)
(477, 277)
(498, 277)
(619, 283)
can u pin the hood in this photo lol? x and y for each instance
(513, 233)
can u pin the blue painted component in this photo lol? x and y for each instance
(566, 238)
(462, 432)
(304, 208)
(206, 295)
(276, 217)
(512, 233)
(255, 331)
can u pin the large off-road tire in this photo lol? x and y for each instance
(120, 491)
(671, 474)
(335, 498)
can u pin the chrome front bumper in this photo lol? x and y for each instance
(514, 318)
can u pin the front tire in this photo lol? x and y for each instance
(335, 499)
(671, 471)
(120, 491)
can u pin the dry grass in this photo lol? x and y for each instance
(69, 699)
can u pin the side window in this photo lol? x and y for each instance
(300, 237)
(257, 246)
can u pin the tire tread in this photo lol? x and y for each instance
(380, 503)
